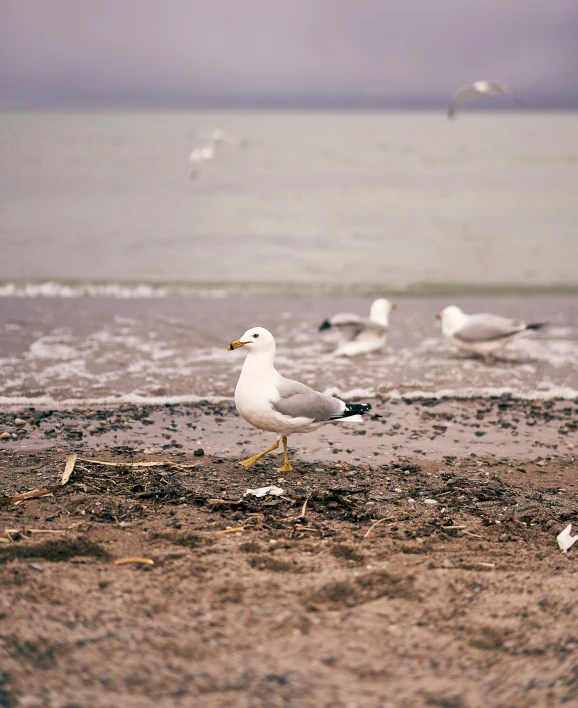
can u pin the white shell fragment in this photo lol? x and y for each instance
(429, 501)
(263, 491)
(565, 540)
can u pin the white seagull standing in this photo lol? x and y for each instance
(367, 334)
(478, 88)
(271, 402)
(481, 334)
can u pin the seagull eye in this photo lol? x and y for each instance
(255, 336)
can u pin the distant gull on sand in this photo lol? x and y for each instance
(367, 334)
(271, 402)
(478, 88)
(481, 334)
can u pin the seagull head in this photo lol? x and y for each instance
(380, 310)
(256, 339)
(452, 318)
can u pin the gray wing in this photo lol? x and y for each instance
(504, 88)
(485, 328)
(299, 401)
(345, 319)
(459, 97)
(501, 86)
(356, 324)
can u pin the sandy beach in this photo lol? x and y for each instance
(351, 588)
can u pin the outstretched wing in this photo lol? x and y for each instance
(460, 96)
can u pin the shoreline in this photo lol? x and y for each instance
(431, 428)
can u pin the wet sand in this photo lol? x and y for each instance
(105, 351)
(350, 589)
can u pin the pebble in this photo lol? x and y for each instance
(199, 452)
(19, 422)
(5, 435)
(429, 501)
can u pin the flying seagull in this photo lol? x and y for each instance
(367, 334)
(271, 402)
(481, 334)
(198, 156)
(478, 88)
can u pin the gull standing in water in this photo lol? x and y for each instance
(271, 402)
(481, 334)
(367, 334)
(478, 88)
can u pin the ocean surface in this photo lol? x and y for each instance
(123, 279)
(320, 202)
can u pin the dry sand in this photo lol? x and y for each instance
(464, 603)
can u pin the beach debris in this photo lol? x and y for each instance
(68, 468)
(159, 463)
(235, 529)
(379, 521)
(126, 561)
(264, 491)
(565, 540)
(29, 495)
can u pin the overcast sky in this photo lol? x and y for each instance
(302, 53)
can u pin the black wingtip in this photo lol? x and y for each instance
(536, 325)
(357, 408)
(324, 325)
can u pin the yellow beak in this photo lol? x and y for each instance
(235, 345)
(393, 306)
(438, 316)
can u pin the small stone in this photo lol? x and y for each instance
(37, 566)
(570, 446)
(4, 436)
(429, 501)
(199, 452)
(18, 422)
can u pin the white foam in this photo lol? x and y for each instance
(53, 288)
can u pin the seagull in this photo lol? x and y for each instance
(367, 335)
(271, 402)
(478, 88)
(198, 156)
(219, 136)
(481, 334)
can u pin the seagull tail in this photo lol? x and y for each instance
(324, 325)
(536, 325)
(352, 409)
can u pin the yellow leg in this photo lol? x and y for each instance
(252, 460)
(286, 466)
